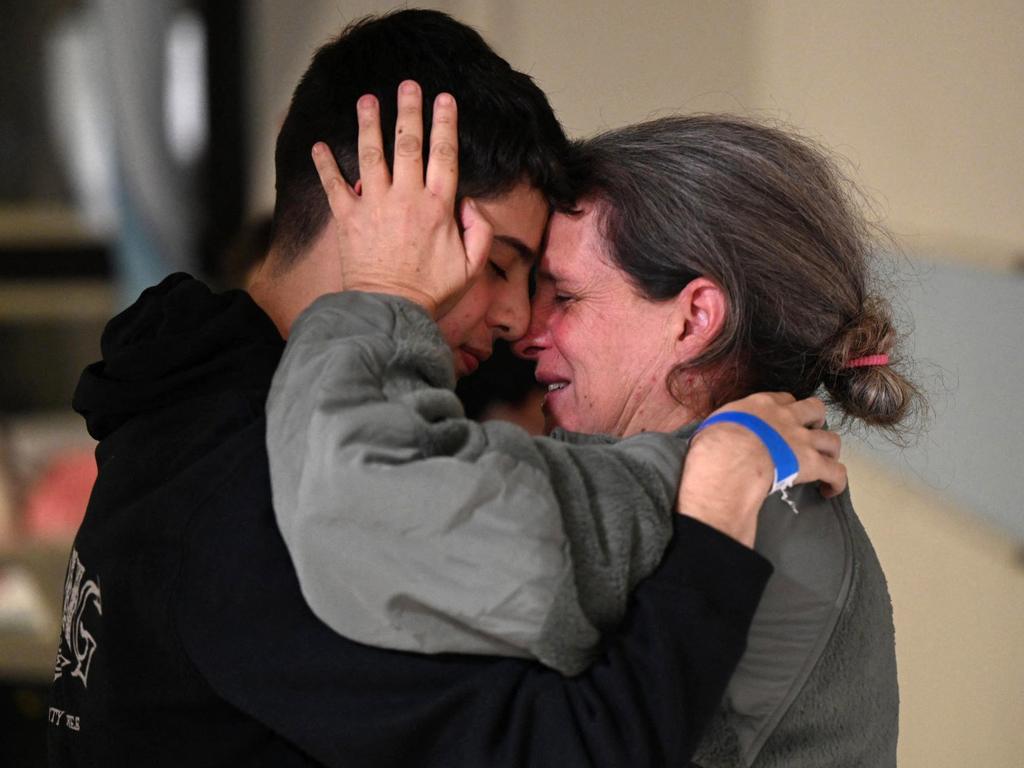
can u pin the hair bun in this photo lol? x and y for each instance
(877, 394)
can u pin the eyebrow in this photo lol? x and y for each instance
(555, 277)
(526, 253)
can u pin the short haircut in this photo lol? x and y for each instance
(508, 132)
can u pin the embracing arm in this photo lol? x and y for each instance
(414, 528)
(644, 702)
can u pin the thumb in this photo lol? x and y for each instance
(477, 235)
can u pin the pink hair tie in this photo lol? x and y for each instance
(866, 362)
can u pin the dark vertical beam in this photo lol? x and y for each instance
(225, 181)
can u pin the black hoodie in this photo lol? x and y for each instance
(186, 640)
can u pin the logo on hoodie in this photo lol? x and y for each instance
(81, 598)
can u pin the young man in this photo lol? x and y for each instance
(186, 639)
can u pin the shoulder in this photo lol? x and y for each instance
(822, 637)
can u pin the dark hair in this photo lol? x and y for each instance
(767, 216)
(508, 132)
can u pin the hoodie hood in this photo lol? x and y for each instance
(177, 341)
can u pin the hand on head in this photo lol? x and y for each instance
(398, 233)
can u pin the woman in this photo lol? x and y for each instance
(650, 313)
(749, 233)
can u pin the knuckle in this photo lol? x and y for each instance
(408, 146)
(370, 157)
(444, 150)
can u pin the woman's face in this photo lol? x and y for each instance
(603, 351)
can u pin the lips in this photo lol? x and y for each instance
(470, 358)
(553, 383)
(555, 390)
(549, 379)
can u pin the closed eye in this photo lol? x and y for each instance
(499, 271)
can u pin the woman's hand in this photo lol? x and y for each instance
(399, 235)
(729, 472)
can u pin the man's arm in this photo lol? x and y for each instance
(644, 701)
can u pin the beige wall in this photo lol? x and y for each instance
(923, 97)
(601, 63)
(958, 602)
(282, 38)
(607, 63)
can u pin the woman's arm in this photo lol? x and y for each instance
(412, 527)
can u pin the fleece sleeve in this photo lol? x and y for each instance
(413, 528)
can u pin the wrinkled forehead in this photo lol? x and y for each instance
(575, 244)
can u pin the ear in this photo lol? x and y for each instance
(701, 310)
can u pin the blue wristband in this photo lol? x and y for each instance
(786, 465)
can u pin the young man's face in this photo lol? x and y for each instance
(497, 305)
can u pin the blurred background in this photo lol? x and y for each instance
(137, 138)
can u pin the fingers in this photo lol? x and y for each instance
(826, 443)
(809, 412)
(477, 237)
(373, 171)
(442, 169)
(408, 164)
(800, 423)
(339, 193)
(833, 479)
(443, 165)
(818, 456)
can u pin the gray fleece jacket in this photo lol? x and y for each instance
(413, 528)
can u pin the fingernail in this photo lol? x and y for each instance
(366, 101)
(445, 100)
(318, 148)
(409, 86)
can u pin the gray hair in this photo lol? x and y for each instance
(768, 217)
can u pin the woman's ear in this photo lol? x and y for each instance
(701, 309)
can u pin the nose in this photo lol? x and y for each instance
(537, 337)
(509, 315)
